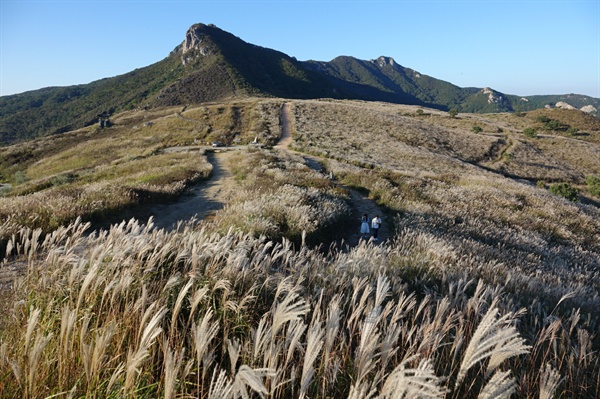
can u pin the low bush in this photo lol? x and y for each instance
(565, 190)
(593, 183)
(530, 132)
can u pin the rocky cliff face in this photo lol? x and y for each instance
(494, 97)
(195, 43)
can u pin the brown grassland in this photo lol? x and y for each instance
(489, 287)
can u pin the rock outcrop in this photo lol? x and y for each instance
(194, 40)
(589, 109)
(564, 105)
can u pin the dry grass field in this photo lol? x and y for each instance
(489, 287)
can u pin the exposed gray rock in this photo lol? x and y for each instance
(564, 105)
(194, 40)
(590, 109)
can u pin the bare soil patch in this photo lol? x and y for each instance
(201, 200)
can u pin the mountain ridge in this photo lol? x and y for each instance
(212, 64)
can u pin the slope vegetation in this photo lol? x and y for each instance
(488, 283)
(213, 65)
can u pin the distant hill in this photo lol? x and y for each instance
(211, 65)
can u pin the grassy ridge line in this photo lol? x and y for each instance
(95, 172)
(518, 227)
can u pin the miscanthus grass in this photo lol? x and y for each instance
(280, 196)
(100, 192)
(140, 312)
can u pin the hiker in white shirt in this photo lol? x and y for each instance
(375, 224)
(364, 225)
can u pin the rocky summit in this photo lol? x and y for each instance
(211, 64)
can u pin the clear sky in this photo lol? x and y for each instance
(521, 47)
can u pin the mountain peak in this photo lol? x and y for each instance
(196, 39)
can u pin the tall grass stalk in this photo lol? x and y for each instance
(140, 312)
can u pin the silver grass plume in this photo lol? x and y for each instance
(313, 347)
(500, 386)
(549, 381)
(203, 334)
(494, 339)
(173, 361)
(177, 308)
(293, 307)
(293, 336)
(366, 354)
(221, 387)
(252, 378)
(332, 325)
(361, 391)
(233, 349)
(147, 335)
(420, 382)
(34, 359)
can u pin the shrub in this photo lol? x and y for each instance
(552, 124)
(564, 190)
(593, 183)
(530, 132)
(519, 113)
(477, 129)
(19, 177)
(453, 112)
(543, 119)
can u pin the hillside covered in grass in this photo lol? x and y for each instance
(488, 286)
(214, 65)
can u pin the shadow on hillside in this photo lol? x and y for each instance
(194, 203)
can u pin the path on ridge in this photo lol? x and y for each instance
(361, 204)
(199, 201)
(206, 197)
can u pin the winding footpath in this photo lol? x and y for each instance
(199, 202)
(202, 200)
(361, 204)
(207, 197)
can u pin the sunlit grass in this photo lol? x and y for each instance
(139, 312)
(489, 284)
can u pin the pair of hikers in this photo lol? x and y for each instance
(375, 225)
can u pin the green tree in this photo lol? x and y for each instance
(552, 124)
(564, 190)
(593, 183)
(530, 132)
(453, 112)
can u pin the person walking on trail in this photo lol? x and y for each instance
(364, 225)
(375, 225)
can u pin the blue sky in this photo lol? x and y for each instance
(521, 47)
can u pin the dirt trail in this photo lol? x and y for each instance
(200, 200)
(286, 130)
(361, 204)
(207, 197)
